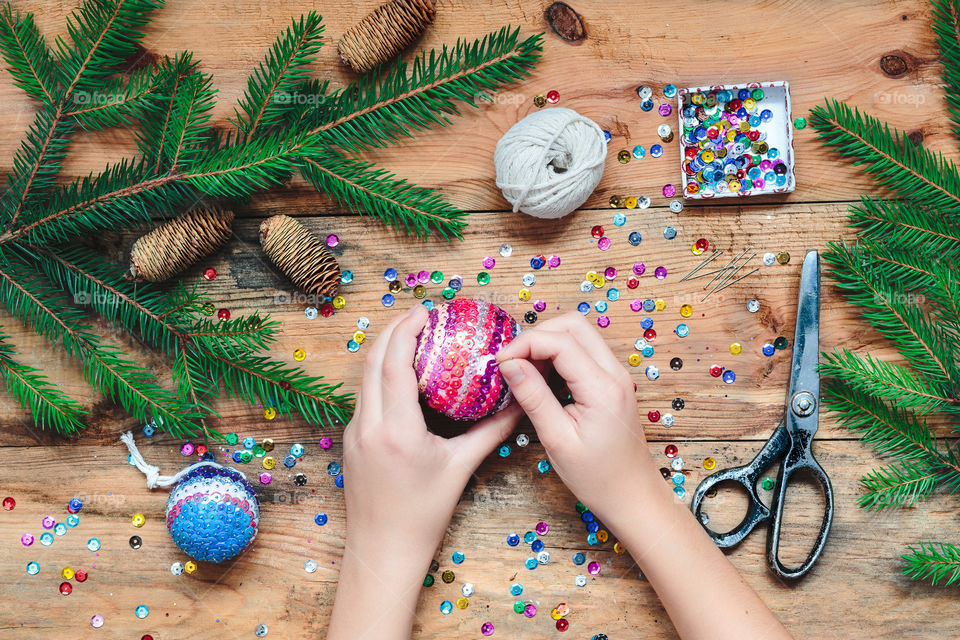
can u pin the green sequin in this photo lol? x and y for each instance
(769, 484)
(436, 277)
(232, 438)
(428, 581)
(483, 278)
(448, 293)
(519, 606)
(800, 123)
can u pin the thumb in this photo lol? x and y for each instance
(482, 438)
(532, 392)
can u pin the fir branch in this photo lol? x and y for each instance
(271, 86)
(28, 59)
(260, 381)
(158, 112)
(129, 384)
(104, 33)
(895, 314)
(938, 562)
(50, 407)
(892, 382)
(396, 202)
(907, 225)
(198, 390)
(37, 162)
(892, 431)
(946, 26)
(893, 159)
(898, 485)
(374, 113)
(188, 126)
(121, 102)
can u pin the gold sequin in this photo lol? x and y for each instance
(267, 444)
(709, 464)
(735, 348)
(630, 202)
(462, 603)
(634, 359)
(299, 354)
(269, 463)
(138, 520)
(190, 566)
(340, 302)
(686, 311)
(269, 413)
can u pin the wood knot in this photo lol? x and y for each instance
(916, 137)
(565, 22)
(898, 63)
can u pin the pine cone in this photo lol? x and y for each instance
(300, 255)
(385, 32)
(179, 243)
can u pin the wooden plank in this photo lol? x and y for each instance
(268, 585)
(599, 78)
(749, 408)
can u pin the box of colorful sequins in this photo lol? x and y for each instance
(736, 140)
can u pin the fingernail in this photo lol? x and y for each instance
(512, 371)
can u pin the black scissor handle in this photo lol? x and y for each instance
(787, 469)
(746, 476)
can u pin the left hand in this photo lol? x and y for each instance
(402, 483)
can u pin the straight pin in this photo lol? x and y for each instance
(701, 265)
(727, 266)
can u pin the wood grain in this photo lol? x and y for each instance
(855, 591)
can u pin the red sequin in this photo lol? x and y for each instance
(223, 314)
(209, 273)
(66, 588)
(80, 575)
(326, 310)
(670, 451)
(653, 416)
(553, 96)
(650, 334)
(562, 624)
(633, 282)
(9, 503)
(702, 244)
(716, 371)
(597, 231)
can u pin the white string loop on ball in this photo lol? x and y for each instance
(154, 479)
(550, 162)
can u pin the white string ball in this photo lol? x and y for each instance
(550, 162)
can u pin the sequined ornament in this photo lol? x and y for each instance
(454, 361)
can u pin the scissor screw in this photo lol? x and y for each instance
(803, 403)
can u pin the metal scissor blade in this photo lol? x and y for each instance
(803, 395)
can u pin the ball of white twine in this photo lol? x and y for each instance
(550, 162)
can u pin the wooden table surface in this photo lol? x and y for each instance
(854, 592)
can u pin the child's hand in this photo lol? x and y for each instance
(402, 482)
(596, 443)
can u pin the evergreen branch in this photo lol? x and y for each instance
(104, 34)
(374, 113)
(896, 315)
(260, 381)
(196, 390)
(283, 70)
(38, 161)
(188, 127)
(894, 160)
(50, 407)
(946, 26)
(129, 384)
(886, 380)
(158, 113)
(244, 334)
(898, 485)
(907, 225)
(28, 59)
(140, 309)
(396, 202)
(938, 562)
(121, 102)
(892, 431)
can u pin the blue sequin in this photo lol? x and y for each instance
(296, 450)
(669, 90)
(649, 304)
(587, 516)
(646, 350)
(531, 563)
(320, 519)
(338, 481)
(529, 537)
(729, 376)
(513, 539)
(670, 232)
(584, 308)
(619, 219)
(537, 546)
(613, 294)
(455, 283)
(537, 262)
(646, 322)
(593, 527)
(149, 430)
(635, 238)
(75, 504)
(504, 450)
(543, 466)
(390, 274)
(387, 300)
(249, 443)
(646, 105)
(680, 491)
(607, 136)
(579, 558)
(768, 349)
(639, 152)
(678, 479)
(446, 607)
(289, 461)
(73, 520)
(353, 346)
(346, 276)
(682, 330)
(592, 539)
(516, 589)
(333, 468)
(600, 306)
(237, 456)
(458, 557)
(656, 151)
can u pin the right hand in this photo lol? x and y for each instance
(596, 444)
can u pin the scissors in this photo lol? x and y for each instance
(790, 443)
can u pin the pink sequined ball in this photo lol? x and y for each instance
(454, 362)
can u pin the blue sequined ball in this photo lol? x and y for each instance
(213, 513)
